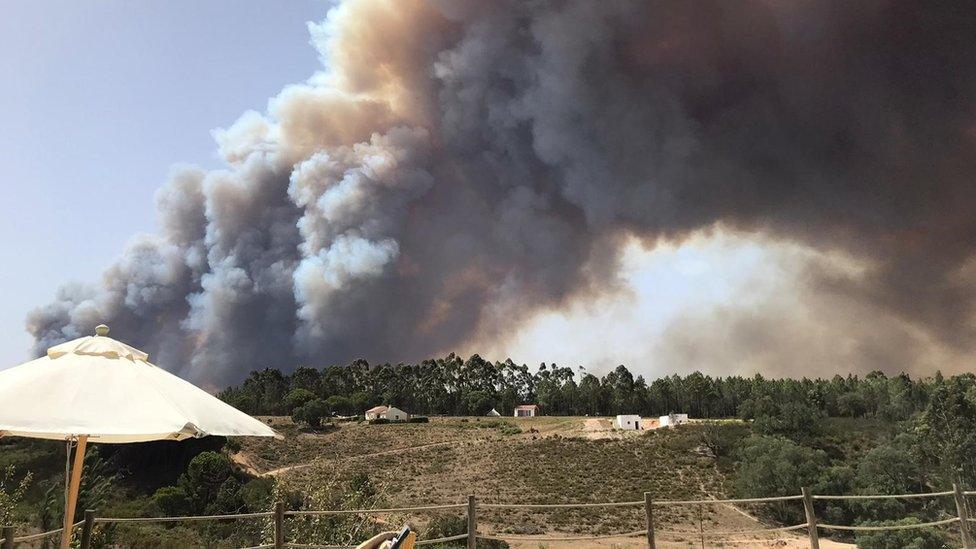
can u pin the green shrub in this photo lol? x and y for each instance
(172, 501)
(311, 413)
(298, 398)
(11, 493)
(233, 445)
(419, 419)
(916, 538)
(379, 421)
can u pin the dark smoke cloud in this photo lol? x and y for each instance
(462, 164)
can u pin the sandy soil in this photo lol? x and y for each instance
(639, 543)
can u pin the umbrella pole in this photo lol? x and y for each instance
(75, 483)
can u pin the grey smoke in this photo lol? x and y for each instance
(462, 164)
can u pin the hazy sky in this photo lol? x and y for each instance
(80, 85)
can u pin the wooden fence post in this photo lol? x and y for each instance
(8, 537)
(86, 529)
(649, 519)
(472, 523)
(279, 525)
(967, 539)
(811, 518)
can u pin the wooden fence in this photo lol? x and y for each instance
(812, 526)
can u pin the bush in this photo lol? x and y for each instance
(172, 501)
(445, 526)
(419, 419)
(776, 466)
(379, 421)
(311, 413)
(204, 477)
(298, 398)
(11, 494)
(917, 538)
(722, 440)
(233, 445)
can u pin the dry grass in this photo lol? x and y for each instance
(554, 464)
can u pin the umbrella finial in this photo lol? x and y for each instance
(101, 330)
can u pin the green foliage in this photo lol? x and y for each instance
(172, 501)
(312, 413)
(256, 494)
(446, 525)
(794, 420)
(455, 386)
(203, 479)
(11, 493)
(418, 419)
(775, 466)
(916, 538)
(723, 439)
(297, 398)
(379, 421)
(945, 432)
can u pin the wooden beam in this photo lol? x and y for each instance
(73, 486)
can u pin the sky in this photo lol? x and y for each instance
(80, 82)
(395, 181)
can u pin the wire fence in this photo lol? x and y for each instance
(812, 526)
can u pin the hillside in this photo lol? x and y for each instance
(524, 461)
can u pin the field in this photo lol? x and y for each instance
(523, 461)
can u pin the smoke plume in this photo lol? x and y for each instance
(459, 165)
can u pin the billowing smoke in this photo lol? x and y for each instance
(459, 165)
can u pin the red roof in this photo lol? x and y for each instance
(527, 407)
(377, 410)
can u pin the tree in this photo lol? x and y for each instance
(312, 413)
(775, 466)
(172, 501)
(945, 433)
(203, 478)
(297, 398)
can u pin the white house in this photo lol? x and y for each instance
(493, 413)
(526, 410)
(627, 421)
(672, 420)
(387, 412)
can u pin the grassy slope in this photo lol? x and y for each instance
(555, 465)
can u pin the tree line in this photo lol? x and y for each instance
(455, 386)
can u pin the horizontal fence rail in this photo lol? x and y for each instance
(812, 526)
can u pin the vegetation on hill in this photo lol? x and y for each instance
(870, 435)
(452, 386)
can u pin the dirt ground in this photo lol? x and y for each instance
(639, 543)
(552, 460)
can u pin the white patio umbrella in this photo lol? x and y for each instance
(98, 389)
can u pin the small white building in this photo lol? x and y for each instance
(526, 410)
(628, 422)
(387, 412)
(672, 420)
(493, 413)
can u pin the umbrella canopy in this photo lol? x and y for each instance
(109, 391)
(102, 390)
